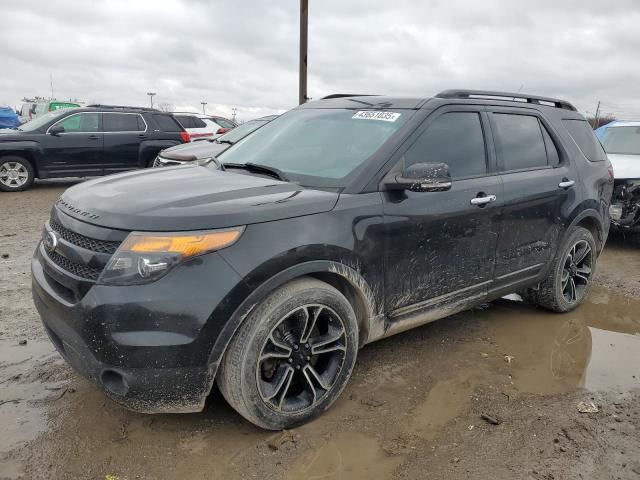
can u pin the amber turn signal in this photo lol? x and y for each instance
(186, 244)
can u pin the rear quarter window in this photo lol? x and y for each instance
(586, 140)
(167, 123)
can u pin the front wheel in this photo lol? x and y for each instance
(16, 174)
(570, 277)
(292, 357)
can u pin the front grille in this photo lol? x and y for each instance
(75, 268)
(100, 246)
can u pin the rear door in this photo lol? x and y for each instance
(439, 247)
(77, 151)
(538, 182)
(123, 133)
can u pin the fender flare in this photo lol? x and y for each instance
(593, 215)
(267, 287)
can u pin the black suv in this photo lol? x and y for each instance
(344, 221)
(85, 142)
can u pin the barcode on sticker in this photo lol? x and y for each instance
(371, 115)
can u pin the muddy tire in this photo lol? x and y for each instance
(570, 277)
(16, 174)
(292, 357)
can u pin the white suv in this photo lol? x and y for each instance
(203, 127)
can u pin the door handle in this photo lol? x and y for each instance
(142, 135)
(93, 137)
(483, 200)
(566, 183)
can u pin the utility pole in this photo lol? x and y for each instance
(151, 94)
(203, 104)
(596, 120)
(304, 27)
(51, 78)
(233, 117)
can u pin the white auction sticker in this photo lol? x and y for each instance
(371, 115)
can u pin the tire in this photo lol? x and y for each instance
(555, 292)
(16, 174)
(274, 386)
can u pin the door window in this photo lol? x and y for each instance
(81, 122)
(521, 142)
(121, 122)
(455, 138)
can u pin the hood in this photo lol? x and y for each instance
(189, 198)
(194, 150)
(625, 166)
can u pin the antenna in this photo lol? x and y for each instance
(51, 79)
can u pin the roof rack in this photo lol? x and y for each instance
(506, 96)
(122, 107)
(342, 95)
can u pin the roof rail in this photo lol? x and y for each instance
(122, 107)
(506, 96)
(342, 95)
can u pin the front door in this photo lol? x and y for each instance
(77, 151)
(123, 133)
(440, 246)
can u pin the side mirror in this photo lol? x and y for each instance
(423, 177)
(56, 130)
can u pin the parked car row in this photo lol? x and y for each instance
(34, 109)
(201, 127)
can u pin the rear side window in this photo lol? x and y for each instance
(198, 123)
(456, 139)
(185, 120)
(167, 123)
(121, 122)
(520, 141)
(586, 140)
(223, 122)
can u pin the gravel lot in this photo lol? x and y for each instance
(414, 408)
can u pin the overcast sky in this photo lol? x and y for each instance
(244, 54)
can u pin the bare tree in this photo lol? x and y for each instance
(165, 106)
(602, 120)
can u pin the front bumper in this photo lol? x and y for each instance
(147, 347)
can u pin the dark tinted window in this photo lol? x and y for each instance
(185, 120)
(120, 122)
(455, 139)
(583, 135)
(167, 123)
(198, 123)
(520, 141)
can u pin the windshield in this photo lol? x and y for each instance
(318, 147)
(622, 140)
(42, 120)
(242, 131)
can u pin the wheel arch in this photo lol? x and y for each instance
(590, 219)
(339, 275)
(26, 154)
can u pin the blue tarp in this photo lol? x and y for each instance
(8, 118)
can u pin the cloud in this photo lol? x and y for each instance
(245, 54)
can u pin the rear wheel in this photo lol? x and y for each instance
(569, 280)
(292, 357)
(16, 174)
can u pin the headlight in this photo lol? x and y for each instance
(144, 257)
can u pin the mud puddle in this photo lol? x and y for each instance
(23, 392)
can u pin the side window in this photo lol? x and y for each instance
(520, 141)
(456, 139)
(120, 122)
(224, 123)
(81, 122)
(185, 120)
(167, 123)
(198, 123)
(583, 135)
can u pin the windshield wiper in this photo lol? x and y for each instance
(228, 142)
(256, 168)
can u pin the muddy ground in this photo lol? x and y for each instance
(412, 410)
